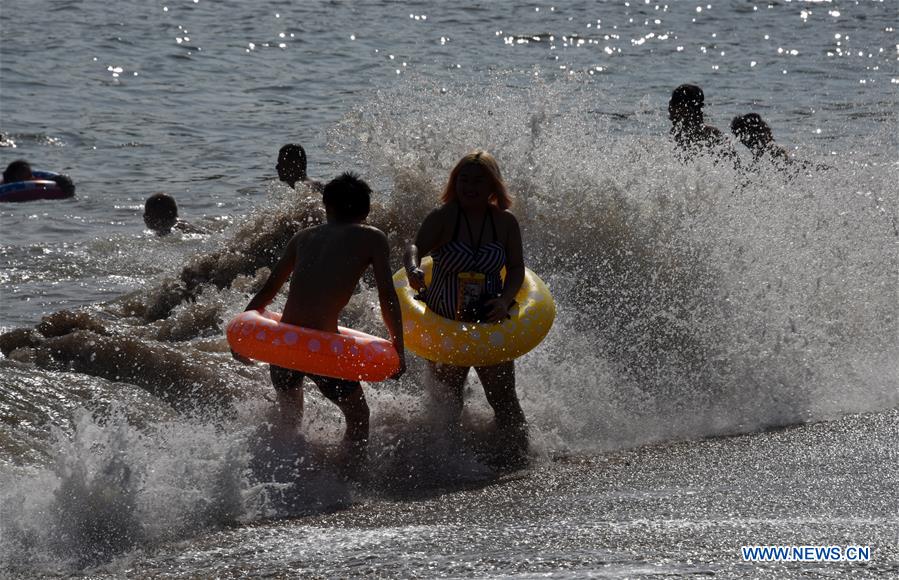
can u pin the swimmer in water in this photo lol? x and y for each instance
(756, 135)
(688, 128)
(291, 167)
(20, 170)
(161, 216)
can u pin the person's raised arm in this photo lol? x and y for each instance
(279, 274)
(429, 236)
(498, 308)
(390, 304)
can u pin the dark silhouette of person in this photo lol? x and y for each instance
(20, 170)
(691, 135)
(161, 216)
(756, 135)
(292, 167)
(475, 196)
(324, 264)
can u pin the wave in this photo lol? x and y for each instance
(694, 300)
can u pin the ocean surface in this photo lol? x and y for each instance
(722, 371)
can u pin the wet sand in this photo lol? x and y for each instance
(682, 509)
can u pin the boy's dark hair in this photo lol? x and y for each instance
(748, 123)
(161, 205)
(751, 129)
(348, 197)
(687, 95)
(291, 165)
(18, 170)
(293, 152)
(686, 102)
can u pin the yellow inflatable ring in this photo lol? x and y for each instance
(472, 344)
(350, 355)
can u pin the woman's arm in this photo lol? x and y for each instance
(429, 237)
(514, 262)
(498, 308)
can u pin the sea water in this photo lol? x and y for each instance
(700, 307)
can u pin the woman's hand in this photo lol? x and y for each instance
(416, 278)
(497, 310)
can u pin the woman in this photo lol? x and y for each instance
(471, 237)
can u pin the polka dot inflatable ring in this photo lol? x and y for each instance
(348, 354)
(472, 344)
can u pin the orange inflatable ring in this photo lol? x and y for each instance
(349, 354)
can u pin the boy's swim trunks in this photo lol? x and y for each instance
(334, 389)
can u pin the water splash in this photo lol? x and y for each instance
(694, 299)
(112, 488)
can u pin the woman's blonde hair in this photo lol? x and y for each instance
(500, 196)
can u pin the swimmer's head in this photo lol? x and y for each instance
(751, 130)
(161, 213)
(291, 163)
(347, 198)
(18, 170)
(686, 103)
(482, 163)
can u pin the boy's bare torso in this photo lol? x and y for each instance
(330, 259)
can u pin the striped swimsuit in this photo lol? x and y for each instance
(456, 257)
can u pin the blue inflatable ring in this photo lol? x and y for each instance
(41, 187)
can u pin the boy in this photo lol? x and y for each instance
(688, 127)
(291, 167)
(325, 263)
(756, 135)
(19, 170)
(161, 216)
